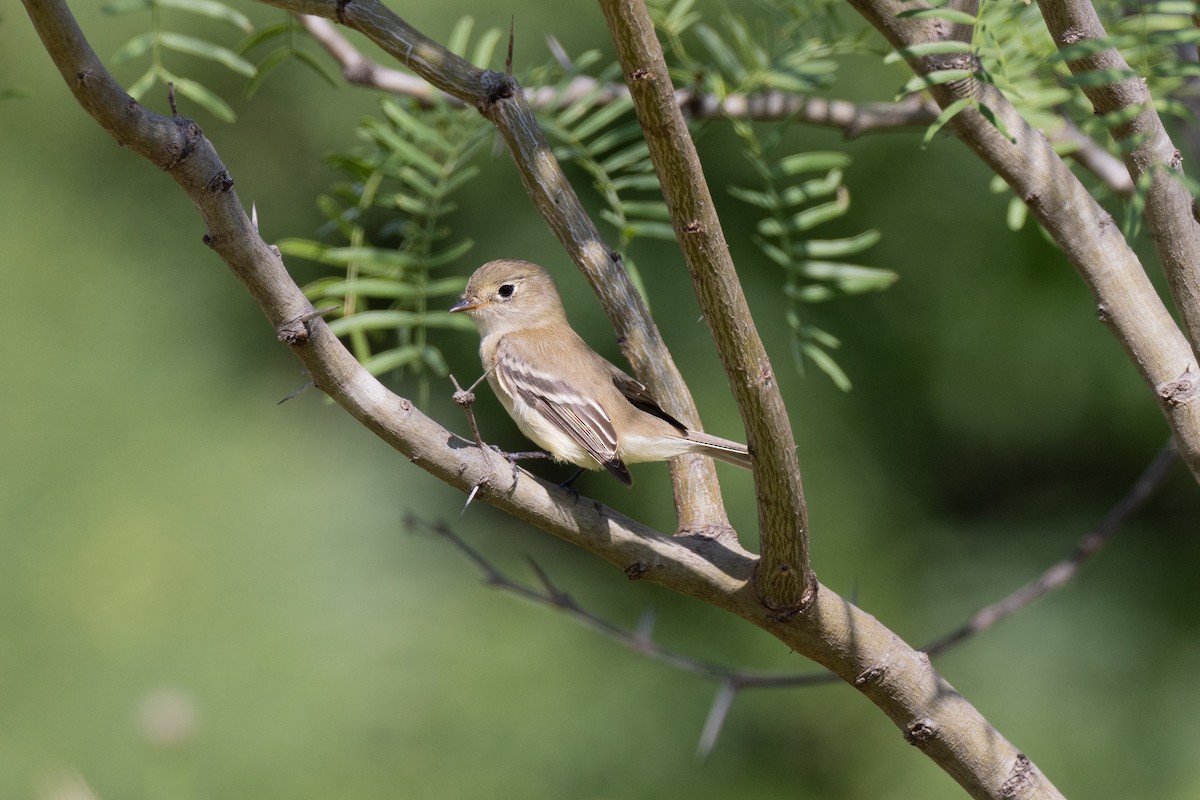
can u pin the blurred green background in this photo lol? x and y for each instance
(205, 594)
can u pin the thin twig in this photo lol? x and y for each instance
(1060, 573)
(466, 399)
(732, 680)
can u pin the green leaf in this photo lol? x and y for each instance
(135, 47)
(386, 289)
(403, 148)
(446, 321)
(726, 59)
(651, 230)
(1171, 7)
(302, 248)
(389, 360)
(927, 49)
(450, 254)
(992, 117)
(143, 84)
(125, 6)
(826, 364)
(1099, 77)
(808, 218)
(850, 278)
(434, 359)
(212, 10)
(411, 123)
(374, 321)
(643, 182)
(948, 14)
(816, 161)
(270, 32)
(1121, 116)
(614, 137)
(812, 189)
(653, 209)
(460, 36)
(1016, 214)
(840, 248)
(948, 113)
(629, 156)
(760, 199)
(377, 259)
(265, 67)
(485, 48)
(461, 176)
(206, 99)
(776, 254)
(203, 49)
(603, 117)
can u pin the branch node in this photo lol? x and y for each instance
(84, 77)
(693, 227)
(293, 332)
(636, 571)
(1071, 36)
(872, 675)
(921, 732)
(220, 183)
(190, 134)
(639, 74)
(1181, 390)
(339, 13)
(1021, 778)
(496, 87)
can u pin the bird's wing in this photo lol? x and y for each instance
(578, 416)
(636, 393)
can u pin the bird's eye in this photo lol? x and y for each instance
(506, 290)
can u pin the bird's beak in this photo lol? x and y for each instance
(466, 304)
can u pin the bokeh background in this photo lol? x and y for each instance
(206, 594)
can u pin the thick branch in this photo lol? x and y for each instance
(1148, 152)
(832, 632)
(1126, 300)
(500, 99)
(785, 579)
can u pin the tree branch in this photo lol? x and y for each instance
(500, 99)
(734, 680)
(784, 578)
(1147, 150)
(853, 119)
(832, 632)
(1126, 300)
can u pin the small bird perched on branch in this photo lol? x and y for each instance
(563, 394)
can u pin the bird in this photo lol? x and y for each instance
(562, 394)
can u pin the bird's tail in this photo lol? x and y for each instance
(720, 449)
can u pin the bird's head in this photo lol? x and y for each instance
(508, 295)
